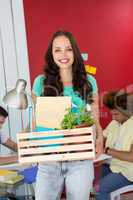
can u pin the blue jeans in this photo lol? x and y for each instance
(77, 176)
(109, 183)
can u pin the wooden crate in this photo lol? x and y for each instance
(58, 145)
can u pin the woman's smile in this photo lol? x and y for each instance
(65, 60)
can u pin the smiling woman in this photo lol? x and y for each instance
(64, 74)
(63, 57)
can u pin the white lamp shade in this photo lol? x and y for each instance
(17, 97)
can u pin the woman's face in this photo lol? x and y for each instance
(118, 116)
(62, 52)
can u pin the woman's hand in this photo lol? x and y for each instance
(99, 139)
(99, 146)
(83, 125)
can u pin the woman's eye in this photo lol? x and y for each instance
(69, 49)
(57, 50)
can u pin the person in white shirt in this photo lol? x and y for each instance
(5, 140)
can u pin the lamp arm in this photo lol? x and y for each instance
(31, 113)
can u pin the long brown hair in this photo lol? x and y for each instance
(52, 83)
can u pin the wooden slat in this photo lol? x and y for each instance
(63, 148)
(55, 133)
(58, 157)
(55, 141)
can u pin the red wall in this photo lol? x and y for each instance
(102, 28)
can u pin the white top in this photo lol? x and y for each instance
(3, 137)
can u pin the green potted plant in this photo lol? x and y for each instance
(79, 119)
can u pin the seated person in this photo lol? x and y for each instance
(119, 144)
(6, 141)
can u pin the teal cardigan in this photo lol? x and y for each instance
(68, 91)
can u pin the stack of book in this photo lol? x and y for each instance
(10, 176)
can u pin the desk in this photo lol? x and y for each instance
(20, 167)
(12, 165)
(102, 157)
(4, 187)
(15, 188)
(15, 166)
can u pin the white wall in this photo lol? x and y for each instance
(13, 60)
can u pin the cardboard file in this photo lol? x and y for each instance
(51, 110)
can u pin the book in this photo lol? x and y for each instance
(14, 180)
(7, 174)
